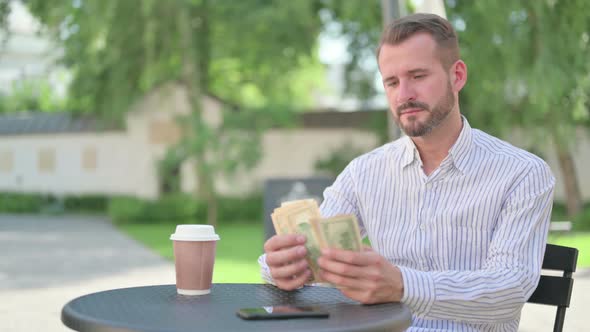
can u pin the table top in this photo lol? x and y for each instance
(160, 308)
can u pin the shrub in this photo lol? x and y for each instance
(125, 209)
(174, 207)
(128, 209)
(22, 203)
(582, 220)
(248, 208)
(86, 203)
(44, 203)
(559, 211)
(169, 208)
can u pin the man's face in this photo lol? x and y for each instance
(418, 88)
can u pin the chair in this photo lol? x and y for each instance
(555, 290)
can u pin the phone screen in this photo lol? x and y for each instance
(282, 312)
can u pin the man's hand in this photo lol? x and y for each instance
(365, 276)
(285, 257)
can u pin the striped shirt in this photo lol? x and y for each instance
(469, 238)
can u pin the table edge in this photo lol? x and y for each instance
(80, 322)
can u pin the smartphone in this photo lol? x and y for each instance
(283, 312)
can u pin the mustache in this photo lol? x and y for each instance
(412, 104)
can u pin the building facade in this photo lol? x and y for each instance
(62, 155)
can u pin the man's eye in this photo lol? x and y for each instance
(419, 76)
(392, 84)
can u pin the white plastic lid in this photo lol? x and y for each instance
(194, 233)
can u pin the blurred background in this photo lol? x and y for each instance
(138, 115)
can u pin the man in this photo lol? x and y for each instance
(457, 219)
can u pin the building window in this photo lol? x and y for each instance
(164, 132)
(46, 161)
(89, 158)
(6, 161)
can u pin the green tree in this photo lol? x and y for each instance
(32, 95)
(257, 55)
(360, 24)
(529, 68)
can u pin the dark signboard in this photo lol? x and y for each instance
(279, 190)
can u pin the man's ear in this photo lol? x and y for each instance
(458, 75)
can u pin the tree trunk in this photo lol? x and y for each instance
(212, 209)
(391, 10)
(205, 191)
(566, 162)
(573, 196)
(570, 180)
(191, 78)
(203, 43)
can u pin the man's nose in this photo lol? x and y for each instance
(405, 92)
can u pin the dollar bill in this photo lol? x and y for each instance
(303, 217)
(280, 224)
(299, 221)
(341, 232)
(280, 216)
(309, 201)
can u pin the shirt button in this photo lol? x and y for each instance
(422, 227)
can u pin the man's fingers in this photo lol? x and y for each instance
(339, 268)
(363, 258)
(341, 281)
(293, 283)
(285, 256)
(289, 270)
(279, 242)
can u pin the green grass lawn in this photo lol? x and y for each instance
(236, 254)
(241, 244)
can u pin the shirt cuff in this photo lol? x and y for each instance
(419, 290)
(264, 270)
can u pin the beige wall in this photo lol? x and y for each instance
(55, 164)
(287, 153)
(123, 162)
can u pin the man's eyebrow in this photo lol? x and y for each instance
(418, 70)
(389, 78)
(410, 72)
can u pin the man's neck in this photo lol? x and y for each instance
(435, 146)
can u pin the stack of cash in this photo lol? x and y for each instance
(303, 217)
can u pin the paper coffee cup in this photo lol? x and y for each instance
(194, 257)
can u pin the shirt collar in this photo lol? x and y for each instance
(460, 151)
(410, 152)
(458, 154)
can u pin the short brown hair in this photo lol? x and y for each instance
(440, 29)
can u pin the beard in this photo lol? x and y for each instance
(415, 128)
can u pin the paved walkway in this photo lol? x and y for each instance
(47, 261)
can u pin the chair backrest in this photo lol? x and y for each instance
(555, 290)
